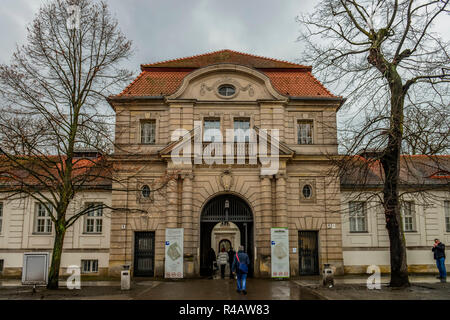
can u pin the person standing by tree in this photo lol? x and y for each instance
(240, 267)
(222, 260)
(439, 255)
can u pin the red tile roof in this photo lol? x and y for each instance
(164, 78)
(225, 56)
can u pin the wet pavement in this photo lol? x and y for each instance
(186, 289)
(225, 289)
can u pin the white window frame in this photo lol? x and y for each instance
(357, 216)
(447, 215)
(46, 218)
(89, 266)
(146, 135)
(237, 125)
(209, 138)
(305, 140)
(94, 219)
(408, 213)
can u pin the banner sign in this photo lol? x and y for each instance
(280, 252)
(173, 267)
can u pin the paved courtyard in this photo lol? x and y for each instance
(198, 289)
(305, 288)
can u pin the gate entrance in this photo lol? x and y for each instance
(144, 254)
(308, 252)
(225, 209)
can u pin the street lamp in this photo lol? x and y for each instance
(227, 207)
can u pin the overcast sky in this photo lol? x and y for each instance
(166, 29)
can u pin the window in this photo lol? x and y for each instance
(43, 222)
(227, 90)
(307, 191)
(447, 215)
(357, 210)
(408, 216)
(148, 132)
(305, 132)
(210, 129)
(94, 218)
(1, 217)
(241, 129)
(89, 266)
(145, 191)
(1, 265)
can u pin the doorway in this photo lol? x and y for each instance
(225, 209)
(144, 254)
(308, 252)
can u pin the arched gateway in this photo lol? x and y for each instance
(225, 209)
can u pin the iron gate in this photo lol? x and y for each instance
(308, 253)
(144, 254)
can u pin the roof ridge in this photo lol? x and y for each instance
(219, 51)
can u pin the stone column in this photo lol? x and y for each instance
(172, 204)
(281, 203)
(263, 257)
(266, 217)
(186, 213)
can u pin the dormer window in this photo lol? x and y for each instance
(227, 90)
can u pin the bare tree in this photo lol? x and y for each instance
(379, 53)
(53, 95)
(427, 130)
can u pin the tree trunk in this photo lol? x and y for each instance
(391, 165)
(53, 275)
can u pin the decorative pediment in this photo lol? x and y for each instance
(194, 136)
(204, 84)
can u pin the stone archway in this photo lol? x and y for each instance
(222, 209)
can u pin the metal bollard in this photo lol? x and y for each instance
(125, 278)
(328, 275)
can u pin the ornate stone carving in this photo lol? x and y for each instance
(227, 80)
(226, 180)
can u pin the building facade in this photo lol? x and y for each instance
(169, 172)
(219, 91)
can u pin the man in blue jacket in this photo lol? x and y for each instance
(240, 265)
(439, 255)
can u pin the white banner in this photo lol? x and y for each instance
(280, 252)
(173, 267)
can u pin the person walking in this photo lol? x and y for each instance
(439, 255)
(222, 259)
(240, 268)
(211, 260)
(231, 254)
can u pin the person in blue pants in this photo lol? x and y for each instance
(240, 265)
(439, 255)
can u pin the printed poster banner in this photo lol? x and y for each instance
(280, 252)
(173, 267)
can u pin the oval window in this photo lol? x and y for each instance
(145, 191)
(227, 90)
(307, 191)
